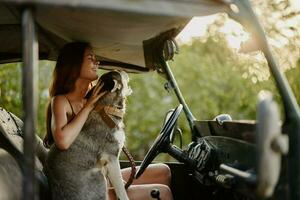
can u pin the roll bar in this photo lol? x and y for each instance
(30, 100)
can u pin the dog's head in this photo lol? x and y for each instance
(116, 86)
(116, 82)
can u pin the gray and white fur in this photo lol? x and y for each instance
(79, 173)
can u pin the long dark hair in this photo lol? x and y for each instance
(66, 71)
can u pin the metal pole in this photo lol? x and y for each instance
(292, 122)
(30, 100)
(189, 115)
(247, 17)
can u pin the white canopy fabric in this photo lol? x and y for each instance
(118, 30)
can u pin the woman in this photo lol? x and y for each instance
(68, 110)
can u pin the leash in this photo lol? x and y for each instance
(133, 167)
(106, 111)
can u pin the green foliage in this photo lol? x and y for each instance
(281, 21)
(293, 76)
(45, 75)
(11, 95)
(213, 78)
(10, 90)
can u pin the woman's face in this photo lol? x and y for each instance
(89, 66)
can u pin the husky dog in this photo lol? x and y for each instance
(79, 173)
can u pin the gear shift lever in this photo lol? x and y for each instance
(155, 194)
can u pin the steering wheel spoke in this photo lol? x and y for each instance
(161, 142)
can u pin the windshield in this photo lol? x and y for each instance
(212, 74)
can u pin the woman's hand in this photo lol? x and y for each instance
(95, 95)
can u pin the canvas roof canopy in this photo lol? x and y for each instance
(121, 32)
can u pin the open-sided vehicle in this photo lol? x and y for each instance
(223, 160)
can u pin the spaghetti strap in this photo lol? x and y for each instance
(73, 113)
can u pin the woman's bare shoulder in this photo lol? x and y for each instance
(59, 101)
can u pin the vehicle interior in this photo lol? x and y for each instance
(225, 159)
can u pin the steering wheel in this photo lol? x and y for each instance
(161, 142)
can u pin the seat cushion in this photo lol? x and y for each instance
(12, 126)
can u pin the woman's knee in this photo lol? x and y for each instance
(164, 173)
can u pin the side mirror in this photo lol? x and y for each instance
(271, 144)
(222, 118)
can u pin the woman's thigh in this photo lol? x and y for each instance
(154, 174)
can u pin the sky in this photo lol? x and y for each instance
(295, 4)
(195, 28)
(198, 25)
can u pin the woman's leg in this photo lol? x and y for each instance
(154, 174)
(143, 192)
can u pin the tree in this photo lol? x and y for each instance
(281, 21)
(11, 95)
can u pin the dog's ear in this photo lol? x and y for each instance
(108, 83)
(116, 86)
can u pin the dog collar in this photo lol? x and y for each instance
(107, 111)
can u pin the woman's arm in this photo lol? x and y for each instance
(65, 133)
